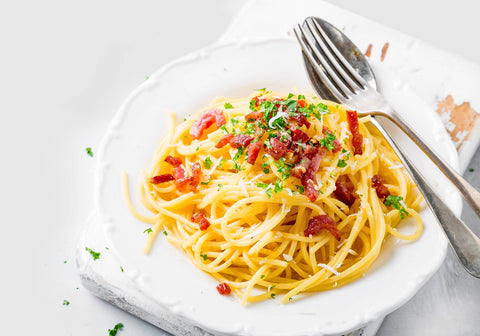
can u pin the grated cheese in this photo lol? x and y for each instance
(330, 268)
(287, 257)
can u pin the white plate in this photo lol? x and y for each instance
(166, 275)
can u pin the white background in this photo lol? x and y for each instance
(65, 67)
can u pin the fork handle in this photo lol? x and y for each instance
(463, 241)
(469, 193)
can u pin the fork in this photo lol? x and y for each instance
(349, 88)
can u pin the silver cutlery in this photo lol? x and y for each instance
(339, 72)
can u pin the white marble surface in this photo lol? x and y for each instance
(65, 67)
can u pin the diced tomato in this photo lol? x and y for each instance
(161, 178)
(301, 103)
(200, 219)
(318, 223)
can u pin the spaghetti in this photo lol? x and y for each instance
(277, 195)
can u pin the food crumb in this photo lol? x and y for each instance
(384, 51)
(368, 53)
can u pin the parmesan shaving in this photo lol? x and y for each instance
(330, 268)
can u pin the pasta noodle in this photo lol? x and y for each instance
(266, 219)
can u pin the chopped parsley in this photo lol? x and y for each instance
(240, 152)
(89, 151)
(113, 332)
(301, 189)
(327, 140)
(165, 232)
(95, 255)
(234, 121)
(219, 186)
(262, 276)
(266, 187)
(272, 295)
(341, 164)
(208, 162)
(396, 202)
(148, 231)
(224, 129)
(228, 106)
(197, 149)
(204, 256)
(320, 110)
(121, 268)
(471, 170)
(206, 182)
(66, 303)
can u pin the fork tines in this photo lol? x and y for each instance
(329, 64)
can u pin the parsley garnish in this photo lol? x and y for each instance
(165, 232)
(148, 231)
(224, 128)
(197, 149)
(234, 121)
(266, 187)
(206, 183)
(320, 110)
(396, 202)
(262, 276)
(238, 155)
(121, 268)
(66, 303)
(219, 186)
(89, 151)
(228, 106)
(204, 256)
(278, 186)
(327, 140)
(341, 164)
(272, 295)
(95, 255)
(301, 189)
(113, 332)
(471, 170)
(208, 162)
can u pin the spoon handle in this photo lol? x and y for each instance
(469, 193)
(463, 241)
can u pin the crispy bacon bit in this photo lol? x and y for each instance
(300, 168)
(178, 173)
(183, 182)
(378, 184)
(336, 146)
(309, 176)
(200, 219)
(252, 116)
(223, 289)
(278, 149)
(301, 103)
(310, 151)
(318, 223)
(300, 119)
(253, 151)
(161, 178)
(357, 138)
(384, 51)
(195, 178)
(343, 190)
(368, 53)
(224, 141)
(205, 120)
(240, 140)
(298, 135)
(174, 161)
